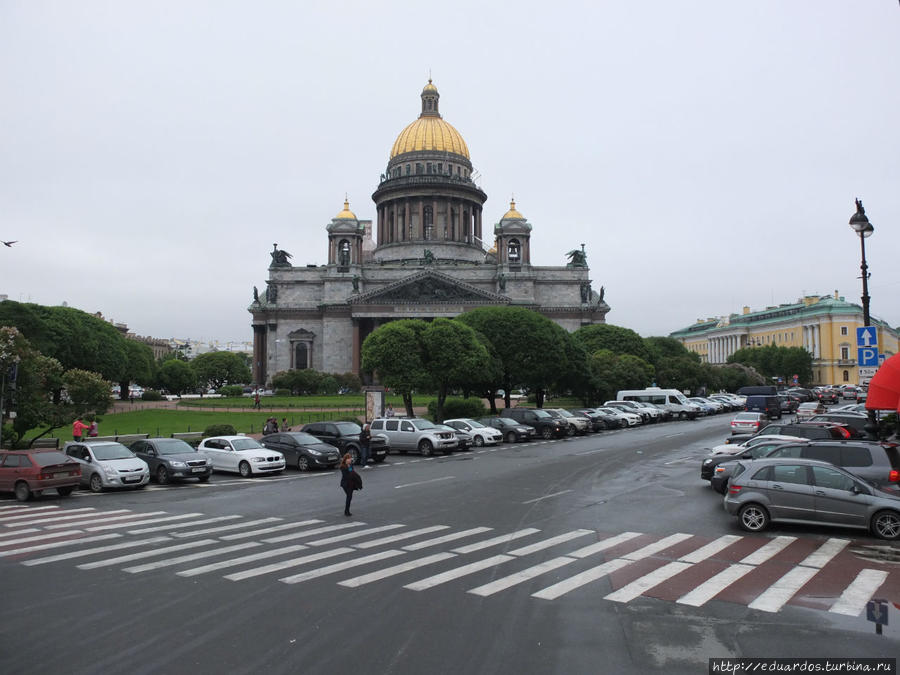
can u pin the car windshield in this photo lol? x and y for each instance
(245, 444)
(542, 413)
(48, 458)
(744, 417)
(505, 421)
(303, 438)
(172, 446)
(111, 451)
(348, 428)
(473, 423)
(422, 425)
(566, 413)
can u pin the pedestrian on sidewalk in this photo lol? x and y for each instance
(256, 400)
(93, 430)
(284, 424)
(365, 437)
(390, 411)
(350, 481)
(271, 426)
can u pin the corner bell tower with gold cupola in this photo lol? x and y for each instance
(426, 197)
(425, 256)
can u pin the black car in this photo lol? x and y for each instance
(854, 422)
(513, 432)
(709, 466)
(819, 430)
(596, 419)
(345, 437)
(302, 450)
(545, 424)
(828, 395)
(172, 458)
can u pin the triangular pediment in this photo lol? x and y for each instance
(429, 287)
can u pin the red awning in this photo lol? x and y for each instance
(884, 388)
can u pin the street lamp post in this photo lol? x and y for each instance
(861, 225)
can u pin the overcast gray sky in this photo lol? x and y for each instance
(707, 153)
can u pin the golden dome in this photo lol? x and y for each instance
(512, 213)
(346, 213)
(430, 133)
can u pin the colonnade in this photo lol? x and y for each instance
(417, 220)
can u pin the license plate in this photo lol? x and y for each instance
(131, 480)
(198, 469)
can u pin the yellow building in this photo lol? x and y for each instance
(825, 326)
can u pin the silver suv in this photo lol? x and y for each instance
(415, 434)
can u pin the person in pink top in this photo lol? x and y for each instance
(78, 429)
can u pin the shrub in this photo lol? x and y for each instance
(282, 392)
(8, 436)
(151, 395)
(230, 390)
(458, 407)
(219, 430)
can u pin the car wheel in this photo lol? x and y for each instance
(96, 483)
(753, 518)
(885, 524)
(682, 415)
(65, 491)
(162, 475)
(511, 437)
(546, 433)
(23, 492)
(354, 453)
(245, 470)
(203, 479)
(570, 431)
(479, 440)
(302, 463)
(425, 448)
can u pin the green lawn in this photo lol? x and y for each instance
(162, 422)
(356, 401)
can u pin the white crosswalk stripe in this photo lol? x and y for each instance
(225, 528)
(340, 567)
(458, 572)
(268, 530)
(39, 537)
(446, 538)
(234, 562)
(168, 562)
(93, 551)
(145, 554)
(117, 526)
(28, 519)
(309, 533)
(400, 537)
(136, 517)
(854, 598)
(396, 569)
(502, 539)
(354, 535)
(59, 544)
(193, 523)
(17, 533)
(16, 510)
(286, 564)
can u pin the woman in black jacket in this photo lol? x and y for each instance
(350, 481)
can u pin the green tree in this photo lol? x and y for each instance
(526, 343)
(215, 369)
(616, 339)
(452, 355)
(393, 352)
(303, 381)
(773, 362)
(176, 377)
(611, 372)
(574, 375)
(139, 367)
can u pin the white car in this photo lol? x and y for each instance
(242, 455)
(730, 448)
(107, 464)
(481, 435)
(633, 419)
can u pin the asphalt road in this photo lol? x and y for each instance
(586, 555)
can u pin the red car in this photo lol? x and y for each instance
(30, 472)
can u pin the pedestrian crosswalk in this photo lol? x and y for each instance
(764, 573)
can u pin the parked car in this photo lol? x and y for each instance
(480, 433)
(855, 423)
(631, 407)
(513, 432)
(820, 430)
(770, 405)
(748, 422)
(614, 419)
(876, 462)
(828, 395)
(809, 410)
(463, 438)
(302, 450)
(656, 415)
(710, 465)
(172, 458)
(808, 492)
(543, 422)
(789, 403)
(596, 420)
(849, 392)
(414, 434)
(631, 419)
(28, 473)
(577, 425)
(730, 448)
(345, 437)
(107, 464)
(241, 454)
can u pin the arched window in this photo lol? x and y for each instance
(846, 376)
(513, 251)
(344, 253)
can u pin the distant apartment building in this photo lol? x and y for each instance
(823, 325)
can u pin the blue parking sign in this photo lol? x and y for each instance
(867, 356)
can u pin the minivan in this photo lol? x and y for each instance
(770, 405)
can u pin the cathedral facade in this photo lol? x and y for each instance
(425, 256)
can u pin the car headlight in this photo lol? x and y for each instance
(110, 472)
(178, 465)
(707, 461)
(259, 459)
(314, 453)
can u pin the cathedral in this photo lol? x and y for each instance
(425, 256)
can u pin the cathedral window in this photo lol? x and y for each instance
(513, 251)
(419, 168)
(440, 168)
(407, 169)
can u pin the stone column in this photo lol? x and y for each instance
(259, 355)
(356, 347)
(407, 222)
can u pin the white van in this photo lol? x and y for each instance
(670, 399)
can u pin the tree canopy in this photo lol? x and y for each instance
(616, 339)
(216, 369)
(393, 352)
